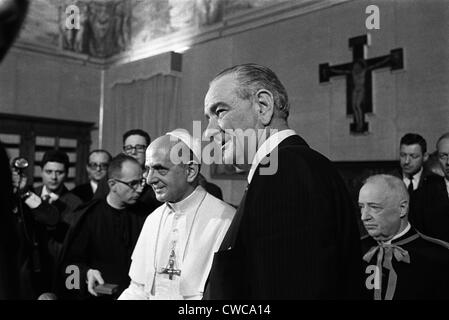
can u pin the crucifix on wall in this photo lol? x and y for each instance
(359, 80)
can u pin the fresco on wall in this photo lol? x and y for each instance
(41, 24)
(104, 27)
(156, 18)
(109, 27)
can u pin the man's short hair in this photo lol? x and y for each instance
(100, 151)
(444, 136)
(137, 132)
(56, 156)
(253, 77)
(116, 164)
(414, 138)
(395, 185)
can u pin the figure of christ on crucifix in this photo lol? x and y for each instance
(358, 74)
(358, 78)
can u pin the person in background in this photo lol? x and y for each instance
(97, 169)
(44, 215)
(429, 211)
(412, 156)
(103, 239)
(135, 142)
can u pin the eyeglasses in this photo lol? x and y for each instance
(95, 166)
(135, 184)
(138, 147)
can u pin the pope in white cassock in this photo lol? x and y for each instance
(174, 253)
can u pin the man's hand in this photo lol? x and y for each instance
(18, 179)
(93, 279)
(33, 200)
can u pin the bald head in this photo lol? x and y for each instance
(393, 187)
(383, 202)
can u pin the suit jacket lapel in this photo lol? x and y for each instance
(231, 236)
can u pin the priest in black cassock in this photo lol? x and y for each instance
(103, 239)
(400, 263)
(295, 234)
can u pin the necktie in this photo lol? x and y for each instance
(410, 185)
(386, 252)
(46, 198)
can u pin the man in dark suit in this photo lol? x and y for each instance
(412, 156)
(429, 210)
(295, 234)
(97, 169)
(48, 214)
(55, 167)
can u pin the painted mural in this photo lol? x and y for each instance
(108, 27)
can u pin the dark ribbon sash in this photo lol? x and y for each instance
(386, 252)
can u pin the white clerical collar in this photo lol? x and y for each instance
(402, 233)
(272, 142)
(93, 185)
(189, 203)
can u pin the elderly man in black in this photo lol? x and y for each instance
(400, 263)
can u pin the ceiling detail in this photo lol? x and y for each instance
(110, 27)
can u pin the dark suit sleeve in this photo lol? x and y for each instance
(46, 214)
(429, 209)
(291, 232)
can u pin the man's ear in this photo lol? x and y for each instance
(426, 157)
(265, 102)
(193, 169)
(403, 206)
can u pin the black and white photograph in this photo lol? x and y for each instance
(237, 152)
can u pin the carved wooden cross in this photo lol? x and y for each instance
(359, 79)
